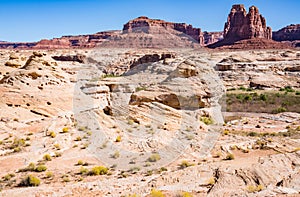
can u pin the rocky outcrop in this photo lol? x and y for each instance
(71, 58)
(144, 24)
(212, 37)
(150, 58)
(241, 25)
(246, 31)
(132, 60)
(288, 33)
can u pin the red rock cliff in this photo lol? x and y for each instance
(241, 25)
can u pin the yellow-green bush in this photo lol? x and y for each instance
(186, 194)
(253, 188)
(52, 134)
(119, 138)
(229, 156)
(40, 168)
(156, 193)
(30, 180)
(206, 120)
(47, 157)
(83, 170)
(49, 174)
(154, 158)
(98, 170)
(65, 130)
(185, 164)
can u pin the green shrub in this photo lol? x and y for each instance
(109, 76)
(65, 130)
(49, 174)
(40, 168)
(185, 194)
(57, 154)
(31, 181)
(154, 158)
(253, 188)
(65, 178)
(80, 162)
(279, 110)
(229, 156)
(57, 146)
(83, 170)
(98, 170)
(252, 134)
(163, 169)
(132, 195)
(263, 97)
(17, 149)
(17, 144)
(206, 120)
(116, 155)
(135, 169)
(137, 89)
(156, 193)
(78, 138)
(185, 164)
(52, 134)
(31, 167)
(149, 173)
(47, 157)
(240, 97)
(119, 138)
(242, 88)
(226, 132)
(289, 89)
(211, 181)
(248, 98)
(8, 177)
(231, 89)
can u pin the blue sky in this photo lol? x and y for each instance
(32, 20)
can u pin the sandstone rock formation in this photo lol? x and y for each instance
(212, 37)
(261, 71)
(246, 31)
(19, 45)
(81, 41)
(158, 105)
(144, 24)
(241, 25)
(71, 58)
(289, 34)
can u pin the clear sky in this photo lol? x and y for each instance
(32, 20)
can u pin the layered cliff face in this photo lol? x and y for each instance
(146, 25)
(241, 25)
(81, 41)
(288, 33)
